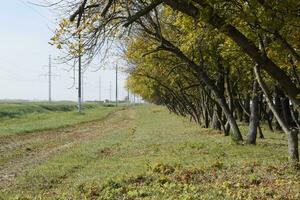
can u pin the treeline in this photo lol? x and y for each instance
(217, 62)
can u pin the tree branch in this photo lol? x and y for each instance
(143, 12)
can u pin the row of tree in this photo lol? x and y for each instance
(215, 61)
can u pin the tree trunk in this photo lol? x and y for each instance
(293, 145)
(206, 119)
(203, 76)
(222, 120)
(235, 133)
(270, 119)
(291, 133)
(216, 124)
(227, 128)
(240, 112)
(278, 106)
(254, 118)
(260, 108)
(261, 135)
(247, 108)
(286, 112)
(295, 115)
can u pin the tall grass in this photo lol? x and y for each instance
(12, 110)
(21, 118)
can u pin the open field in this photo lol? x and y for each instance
(20, 118)
(142, 152)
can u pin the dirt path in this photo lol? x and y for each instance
(19, 153)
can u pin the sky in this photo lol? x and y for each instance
(24, 56)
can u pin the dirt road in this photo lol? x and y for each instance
(20, 153)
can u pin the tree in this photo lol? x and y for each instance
(210, 49)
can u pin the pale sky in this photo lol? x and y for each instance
(24, 50)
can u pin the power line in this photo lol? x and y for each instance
(36, 11)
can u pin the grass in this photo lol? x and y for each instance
(14, 110)
(20, 118)
(155, 155)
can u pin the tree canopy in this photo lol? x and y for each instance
(201, 58)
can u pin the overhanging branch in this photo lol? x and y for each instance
(143, 12)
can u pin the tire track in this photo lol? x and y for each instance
(21, 153)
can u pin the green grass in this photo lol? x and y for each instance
(20, 118)
(15, 110)
(162, 156)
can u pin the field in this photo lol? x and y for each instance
(20, 118)
(139, 152)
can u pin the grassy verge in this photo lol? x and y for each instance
(30, 117)
(161, 156)
(15, 110)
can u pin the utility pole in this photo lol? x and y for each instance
(82, 86)
(79, 77)
(116, 85)
(110, 91)
(50, 76)
(100, 89)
